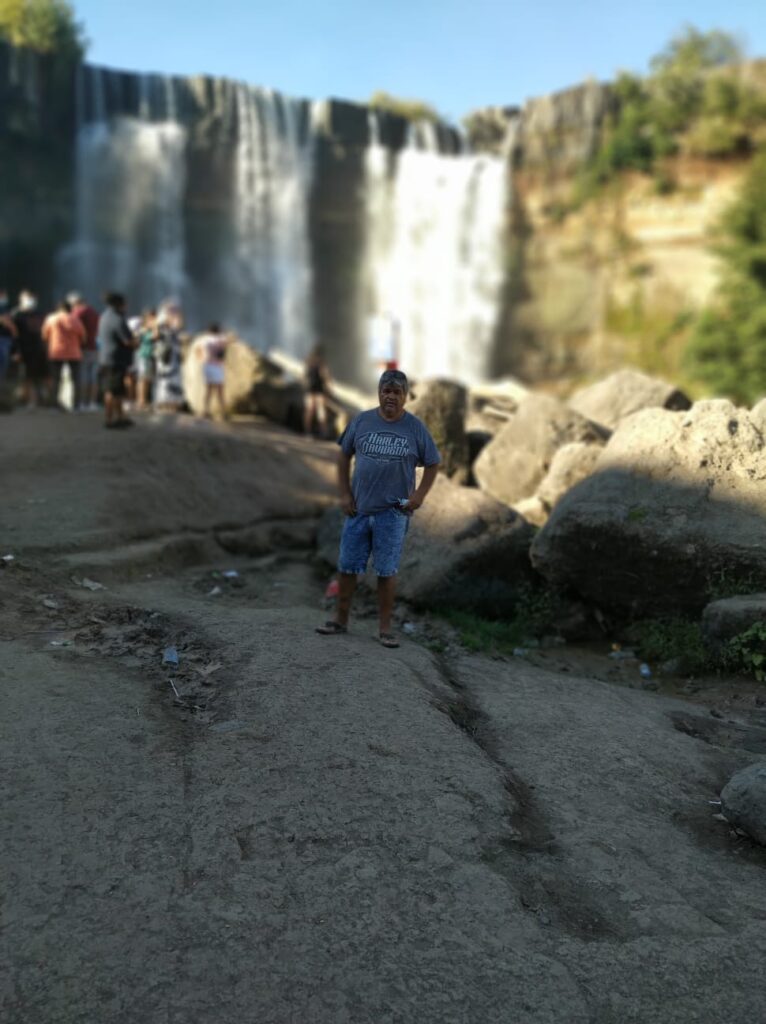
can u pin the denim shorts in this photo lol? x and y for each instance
(381, 534)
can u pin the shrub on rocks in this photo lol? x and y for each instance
(609, 401)
(677, 499)
(515, 462)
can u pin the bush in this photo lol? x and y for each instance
(47, 26)
(691, 99)
(727, 351)
(746, 652)
(674, 639)
(411, 110)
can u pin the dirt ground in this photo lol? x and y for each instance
(285, 828)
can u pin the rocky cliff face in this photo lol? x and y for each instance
(617, 280)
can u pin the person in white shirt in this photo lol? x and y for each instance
(213, 353)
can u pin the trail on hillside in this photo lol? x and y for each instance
(287, 827)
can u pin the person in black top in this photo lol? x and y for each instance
(32, 350)
(7, 335)
(317, 385)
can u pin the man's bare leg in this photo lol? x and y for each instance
(386, 595)
(346, 588)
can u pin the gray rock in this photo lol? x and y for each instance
(464, 550)
(743, 801)
(609, 401)
(517, 459)
(725, 618)
(264, 538)
(441, 405)
(678, 497)
(570, 464)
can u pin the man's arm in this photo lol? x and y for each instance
(344, 484)
(418, 496)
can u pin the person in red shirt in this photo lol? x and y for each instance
(88, 317)
(65, 336)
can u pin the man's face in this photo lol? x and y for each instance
(392, 397)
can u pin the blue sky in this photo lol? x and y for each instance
(456, 54)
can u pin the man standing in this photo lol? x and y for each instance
(115, 355)
(388, 444)
(88, 317)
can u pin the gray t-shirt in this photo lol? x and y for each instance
(114, 337)
(386, 456)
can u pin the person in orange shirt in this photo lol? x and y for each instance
(65, 336)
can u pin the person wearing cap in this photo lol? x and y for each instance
(88, 317)
(388, 443)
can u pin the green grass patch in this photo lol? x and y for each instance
(532, 618)
(661, 640)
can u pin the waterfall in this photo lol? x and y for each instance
(434, 252)
(130, 179)
(238, 249)
(271, 264)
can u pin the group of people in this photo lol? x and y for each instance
(111, 360)
(116, 359)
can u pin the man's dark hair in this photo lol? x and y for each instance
(115, 299)
(394, 377)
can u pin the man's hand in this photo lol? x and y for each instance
(348, 504)
(419, 495)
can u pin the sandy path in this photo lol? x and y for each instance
(327, 832)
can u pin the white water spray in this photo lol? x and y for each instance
(434, 258)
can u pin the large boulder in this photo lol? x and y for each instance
(627, 391)
(743, 801)
(441, 405)
(569, 465)
(241, 367)
(514, 463)
(728, 616)
(677, 499)
(758, 414)
(463, 550)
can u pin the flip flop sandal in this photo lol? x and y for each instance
(388, 640)
(331, 629)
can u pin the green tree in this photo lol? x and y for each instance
(47, 26)
(727, 351)
(692, 97)
(411, 110)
